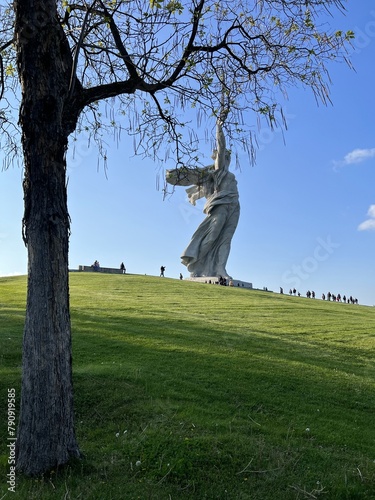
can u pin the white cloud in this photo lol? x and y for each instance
(358, 156)
(371, 211)
(355, 156)
(369, 224)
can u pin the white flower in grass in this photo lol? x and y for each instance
(138, 463)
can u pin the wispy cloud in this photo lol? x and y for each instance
(354, 157)
(369, 224)
(358, 156)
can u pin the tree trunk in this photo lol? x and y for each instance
(46, 436)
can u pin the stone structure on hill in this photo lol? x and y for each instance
(106, 270)
(208, 251)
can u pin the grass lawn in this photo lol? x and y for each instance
(195, 391)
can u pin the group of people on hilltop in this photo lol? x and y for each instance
(338, 298)
(294, 291)
(330, 296)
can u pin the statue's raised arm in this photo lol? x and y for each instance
(220, 144)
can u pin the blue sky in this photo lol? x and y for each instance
(307, 206)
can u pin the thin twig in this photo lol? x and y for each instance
(243, 470)
(162, 479)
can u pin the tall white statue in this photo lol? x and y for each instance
(208, 250)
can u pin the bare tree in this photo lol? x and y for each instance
(159, 59)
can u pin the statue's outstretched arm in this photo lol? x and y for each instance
(184, 176)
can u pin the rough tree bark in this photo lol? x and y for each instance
(46, 436)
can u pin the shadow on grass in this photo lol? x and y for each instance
(206, 412)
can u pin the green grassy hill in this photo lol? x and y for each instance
(194, 391)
